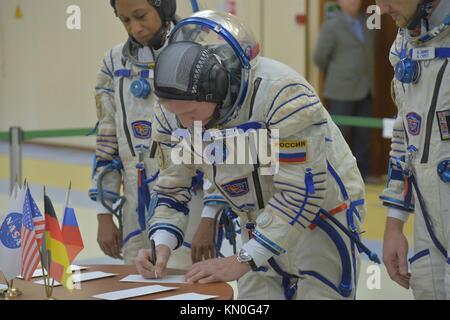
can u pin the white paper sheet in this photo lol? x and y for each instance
(38, 272)
(189, 296)
(80, 277)
(3, 286)
(131, 293)
(140, 279)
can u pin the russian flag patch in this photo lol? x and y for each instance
(293, 152)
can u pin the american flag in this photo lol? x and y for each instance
(38, 220)
(30, 233)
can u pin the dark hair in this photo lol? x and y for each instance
(165, 8)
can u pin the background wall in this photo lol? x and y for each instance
(47, 72)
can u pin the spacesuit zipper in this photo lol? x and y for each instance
(255, 91)
(125, 121)
(217, 186)
(257, 184)
(431, 113)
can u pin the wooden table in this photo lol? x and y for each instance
(32, 291)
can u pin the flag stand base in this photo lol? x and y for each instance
(10, 294)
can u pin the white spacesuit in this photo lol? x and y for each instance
(125, 152)
(419, 174)
(301, 225)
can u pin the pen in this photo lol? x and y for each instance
(152, 243)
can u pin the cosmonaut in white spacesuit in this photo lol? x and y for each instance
(419, 167)
(300, 224)
(125, 151)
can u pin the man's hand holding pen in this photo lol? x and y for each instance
(152, 263)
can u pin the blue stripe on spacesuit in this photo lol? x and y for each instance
(107, 135)
(250, 126)
(345, 286)
(187, 245)
(106, 146)
(395, 54)
(101, 163)
(106, 66)
(162, 132)
(427, 219)
(168, 145)
(299, 188)
(173, 188)
(169, 228)
(195, 6)
(267, 243)
(302, 195)
(300, 201)
(338, 180)
(399, 151)
(94, 192)
(299, 213)
(123, 73)
(107, 142)
(396, 175)
(289, 281)
(112, 60)
(214, 197)
(105, 72)
(321, 278)
(108, 90)
(106, 152)
(167, 121)
(172, 198)
(167, 131)
(305, 199)
(284, 212)
(173, 205)
(102, 158)
(319, 174)
(133, 234)
(214, 202)
(289, 101)
(187, 198)
(284, 88)
(246, 206)
(298, 110)
(419, 255)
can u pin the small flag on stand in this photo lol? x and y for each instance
(33, 226)
(55, 247)
(10, 240)
(71, 231)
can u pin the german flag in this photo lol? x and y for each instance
(55, 247)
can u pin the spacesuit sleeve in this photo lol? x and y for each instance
(172, 192)
(300, 184)
(106, 143)
(398, 195)
(213, 201)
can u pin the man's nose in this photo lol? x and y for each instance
(136, 27)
